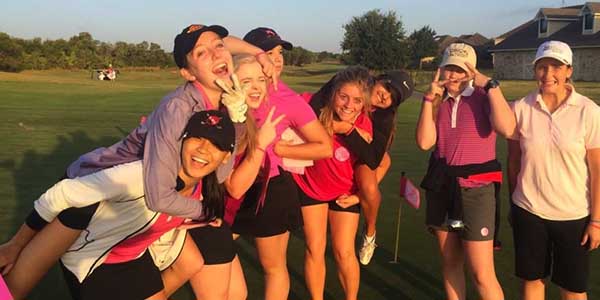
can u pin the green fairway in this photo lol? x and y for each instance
(49, 118)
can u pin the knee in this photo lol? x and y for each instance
(315, 250)
(485, 278)
(344, 255)
(369, 190)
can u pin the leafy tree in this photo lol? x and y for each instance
(423, 44)
(11, 54)
(376, 41)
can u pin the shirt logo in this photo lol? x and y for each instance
(342, 154)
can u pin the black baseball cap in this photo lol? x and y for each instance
(400, 83)
(213, 125)
(186, 40)
(266, 39)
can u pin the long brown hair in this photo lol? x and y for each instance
(351, 75)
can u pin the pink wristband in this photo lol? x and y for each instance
(427, 99)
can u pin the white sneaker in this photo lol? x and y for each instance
(365, 253)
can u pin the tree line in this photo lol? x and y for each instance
(82, 51)
(376, 40)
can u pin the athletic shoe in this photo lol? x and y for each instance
(365, 253)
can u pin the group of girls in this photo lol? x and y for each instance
(231, 152)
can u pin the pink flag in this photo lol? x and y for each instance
(410, 192)
(4, 292)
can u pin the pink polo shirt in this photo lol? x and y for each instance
(332, 177)
(553, 182)
(464, 132)
(135, 246)
(297, 114)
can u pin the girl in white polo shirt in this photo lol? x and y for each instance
(554, 179)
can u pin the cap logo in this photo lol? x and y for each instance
(406, 85)
(213, 120)
(553, 49)
(458, 52)
(270, 33)
(194, 27)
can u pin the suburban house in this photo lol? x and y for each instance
(578, 26)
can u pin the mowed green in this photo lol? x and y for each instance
(51, 117)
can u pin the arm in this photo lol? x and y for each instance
(592, 232)
(318, 144)
(426, 134)
(513, 164)
(370, 154)
(501, 116)
(162, 159)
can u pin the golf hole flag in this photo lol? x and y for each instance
(4, 292)
(410, 192)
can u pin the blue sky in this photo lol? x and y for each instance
(313, 24)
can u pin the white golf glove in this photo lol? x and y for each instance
(234, 99)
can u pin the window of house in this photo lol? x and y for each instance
(588, 22)
(543, 25)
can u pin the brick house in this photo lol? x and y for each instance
(578, 26)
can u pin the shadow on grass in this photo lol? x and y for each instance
(32, 177)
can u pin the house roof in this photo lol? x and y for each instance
(561, 13)
(527, 37)
(594, 7)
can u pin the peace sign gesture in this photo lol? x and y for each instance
(266, 134)
(436, 88)
(234, 99)
(479, 80)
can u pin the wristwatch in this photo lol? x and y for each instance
(492, 83)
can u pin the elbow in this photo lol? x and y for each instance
(424, 144)
(235, 193)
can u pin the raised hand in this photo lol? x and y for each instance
(234, 99)
(479, 80)
(268, 68)
(436, 88)
(266, 134)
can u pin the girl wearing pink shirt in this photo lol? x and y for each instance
(271, 209)
(461, 113)
(324, 188)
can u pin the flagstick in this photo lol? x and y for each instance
(395, 261)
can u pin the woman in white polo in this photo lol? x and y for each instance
(554, 179)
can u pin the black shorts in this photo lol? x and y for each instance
(306, 200)
(215, 243)
(544, 247)
(280, 213)
(479, 212)
(136, 279)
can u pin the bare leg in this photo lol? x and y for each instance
(343, 232)
(533, 289)
(212, 282)
(272, 253)
(453, 262)
(370, 197)
(480, 255)
(567, 295)
(41, 253)
(315, 234)
(188, 264)
(237, 284)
